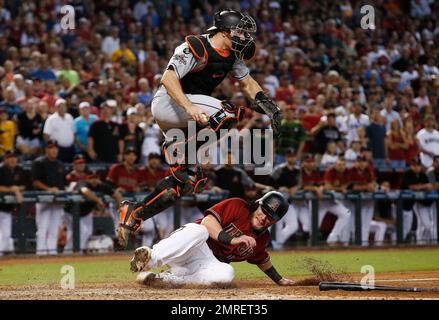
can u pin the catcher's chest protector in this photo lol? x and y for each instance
(217, 65)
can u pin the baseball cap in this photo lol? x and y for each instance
(131, 111)
(79, 158)
(154, 156)
(130, 150)
(10, 153)
(92, 175)
(51, 143)
(84, 104)
(361, 158)
(308, 158)
(290, 152)
(109, 103)
(60, 101)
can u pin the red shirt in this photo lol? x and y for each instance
(235, 218)
(314, 178)
(362, 177)
(74, 177)
(335, 178)
(122, 178)
(151, 178)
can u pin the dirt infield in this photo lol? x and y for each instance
(241, 290)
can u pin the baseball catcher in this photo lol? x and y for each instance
(197, 67)
(199, 253)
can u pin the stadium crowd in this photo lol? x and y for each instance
(360, 106)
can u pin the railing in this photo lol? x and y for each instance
(356, 198)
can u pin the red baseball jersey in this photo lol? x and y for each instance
(314, 178)
(74, 177)
(122, 178)
(151, 178)
(362, 177)
(336, 178)
(234, 217)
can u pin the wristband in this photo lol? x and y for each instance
(224, 237)
(260, 96)
(273, 274)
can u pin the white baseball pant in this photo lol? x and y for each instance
(48, 221)
(338, 232)
(287, 226)
(190, 259)
(163, 222)
(85, 231)
(304, 214)
(425, 231)
(378, 228)
(407, 221)
(6, 241)
(168, 114)
(367, 207)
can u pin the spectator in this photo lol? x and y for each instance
(103, 137)
(324, 133)
(152, 140)
(388, 113)
(330, 157)
(422, 100)
(111, 42)
(376, 133)
(412, 141)
(131, 135)
(428, 139)
(60, 127)
(144, 94)
(336, 179)
(69, 73)
(30, 125)
(44, 72)
(293, 134)
(153, 172)
(13, 179)
(82, 126)
(415, 179)
(396, 142)
(8, 103)
(48, 175)
(123, 54)
(18, 86)
(383, 219)
(355, 121)
(352, 153)
(8, 131)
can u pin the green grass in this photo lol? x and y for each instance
(288, 264)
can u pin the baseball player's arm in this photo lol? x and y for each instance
(90, 195)
(270, 271)
(172, 84)
(217, 233)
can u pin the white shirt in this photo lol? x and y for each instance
(110, 44)
(140, 9)
(328, 160)
(60, 129)
(350, 156)
(428, 141)
(421, 102)
(353, 123)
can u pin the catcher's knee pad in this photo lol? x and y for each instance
(196, 182)
(227, 117)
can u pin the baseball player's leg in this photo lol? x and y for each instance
(42, 217)
(165, 222)
(378, 228)
(174, 250)
(407, 221)
(56, 214)
(366, 219)
(86, 230)
(304, 216)
(339, 232)
(68, 222)
(6, 241)
(425, 222)
(184, 179)
(287, 226)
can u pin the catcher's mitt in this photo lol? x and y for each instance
(263, 104)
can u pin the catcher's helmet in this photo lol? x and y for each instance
(274, 204)
(230, 20)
